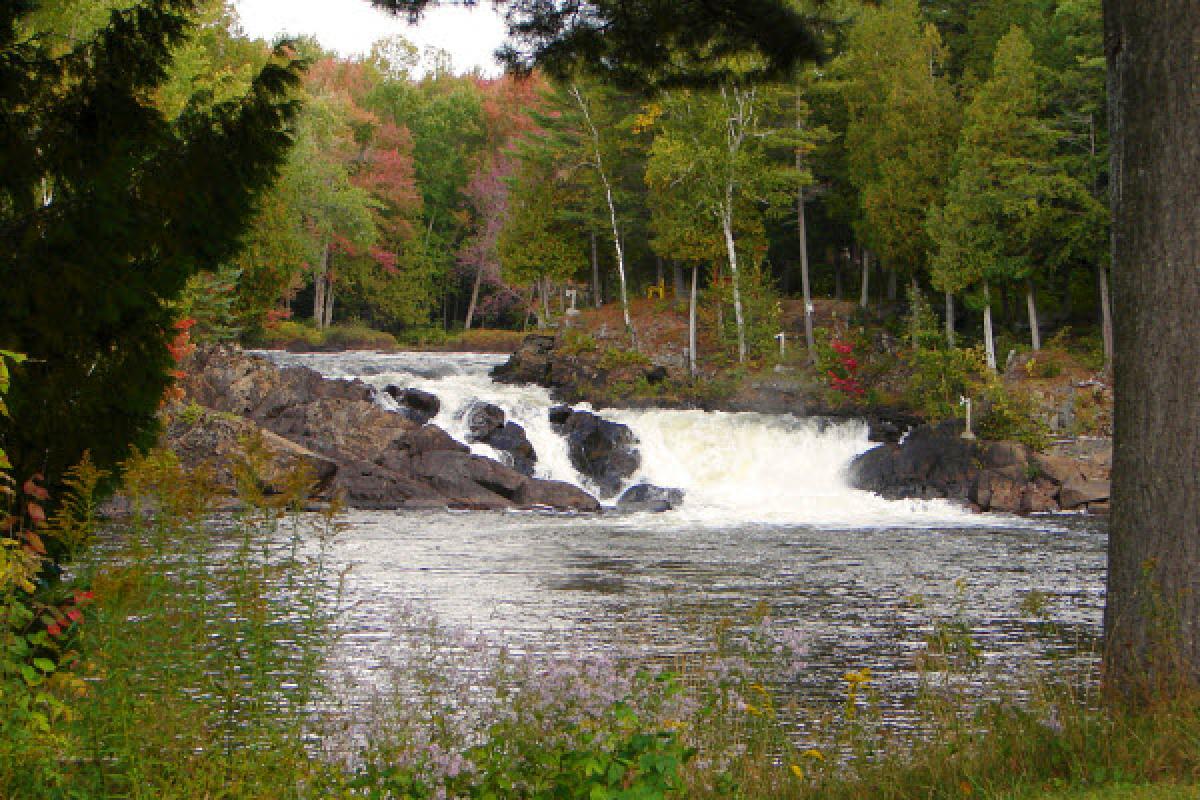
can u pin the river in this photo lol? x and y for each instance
(768, 527)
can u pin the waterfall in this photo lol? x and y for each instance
(757, 468)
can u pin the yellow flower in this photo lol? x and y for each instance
(799, 773)
(753, 710)
(858, 677)
(814, 753)
(758, 687)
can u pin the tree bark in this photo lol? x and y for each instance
(597, 289)
(692, 322)
(950, 319)
(892, 288)
(659, 274)
(1152, 617)
(989, 341)
(330, 286)
(678, 289)
(1035, 334)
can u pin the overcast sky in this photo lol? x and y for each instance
(351, 26)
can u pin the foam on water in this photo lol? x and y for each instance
(745, 468)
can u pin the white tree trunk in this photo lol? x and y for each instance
(989, 343)
(1031, 303)
(731, 249)
(802, 232)
(330, 287)
(692, 322)
(612, 213)
(950, 319)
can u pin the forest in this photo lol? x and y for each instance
(960, 153)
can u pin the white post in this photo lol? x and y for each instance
(967, 433)
(782, 337)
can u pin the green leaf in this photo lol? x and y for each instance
(45, 665)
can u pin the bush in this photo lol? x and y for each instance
(357, 336)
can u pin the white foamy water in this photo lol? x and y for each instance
(740, 468)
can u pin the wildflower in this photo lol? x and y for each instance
(74, 615)
(54, 629)
(797, 771)
(812, 752)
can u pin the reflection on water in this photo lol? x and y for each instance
(555, 586)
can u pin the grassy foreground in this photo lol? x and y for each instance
(197, 669)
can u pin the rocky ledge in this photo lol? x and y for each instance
(352, 446)
(937, 462)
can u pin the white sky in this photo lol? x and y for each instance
(351, 26)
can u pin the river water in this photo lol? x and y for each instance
(768, 527)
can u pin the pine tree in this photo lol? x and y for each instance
(106, 209)
(1010, 202)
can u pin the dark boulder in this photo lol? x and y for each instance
(606, 452)
(648, 497)
(419, 406)
(482, 420)
(934, 461)
(531, 363)
(511, 439)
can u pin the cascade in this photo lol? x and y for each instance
(747, 467)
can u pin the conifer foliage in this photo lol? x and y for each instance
(107, 207)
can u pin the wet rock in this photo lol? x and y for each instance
(604, 451)
(511, 439)
(934, 461)
(372, 457)
(482, 420)
(419, 406)
(648, 497)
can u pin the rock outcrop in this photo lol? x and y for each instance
(373, 457)
(936, 462)
(419, 406)
(605, 451)
(648, 497)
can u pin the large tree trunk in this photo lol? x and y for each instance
(1152, 620)
(660, 276)
(692, 356)
(989, 341)
(950, 319)
(1106, 320)
(1035, 334)
(597, 289)
(892, 288)
(678, 289)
